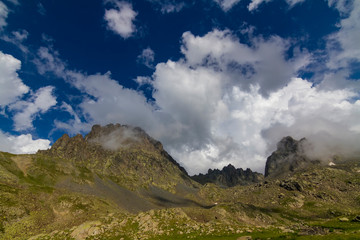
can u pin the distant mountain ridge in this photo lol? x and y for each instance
(289, 156)
(229, 176)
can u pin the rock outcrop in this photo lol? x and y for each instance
(289, 156)
(229, 176)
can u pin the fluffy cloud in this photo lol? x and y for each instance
(189, 99)
(22, 144)
(11, 86)
(12, 90)
(27, 111)
(215, 125)
(111, 102)
(120, 19)
(147, 57)
(105, 100)
(224, 102)
(264, 62)
(227, 102)
(168, 6)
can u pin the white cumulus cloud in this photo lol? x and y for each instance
(264, 62)
(120, 18)
(11, 86)
(227, 102)
(213, 124)
(127, 106)
(22, 144)
(12, 91)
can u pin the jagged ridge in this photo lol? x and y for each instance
(229, 176)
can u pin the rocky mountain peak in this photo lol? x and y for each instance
(120, 152)
(98, 131)
(116, 136)
(229, 169)
(229, 176)
(289, 156)
(112, 137)
(61, 142)
(290, 145)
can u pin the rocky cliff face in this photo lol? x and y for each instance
(289, 156)
(229, 176)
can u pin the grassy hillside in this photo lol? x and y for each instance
(42, 200)
(79, 190)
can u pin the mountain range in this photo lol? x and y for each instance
(117, 182)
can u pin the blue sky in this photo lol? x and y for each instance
(216, 81)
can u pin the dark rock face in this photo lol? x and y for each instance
(229, 176)
(289, 156)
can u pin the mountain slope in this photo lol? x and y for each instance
(125, 154)
(119, 183)
(115, 168)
